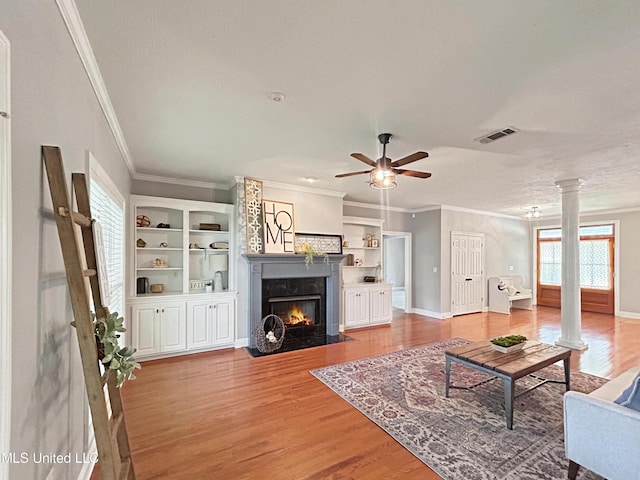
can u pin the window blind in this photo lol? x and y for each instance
(110, 214)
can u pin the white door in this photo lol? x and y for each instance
(467, 271)
(223, 314)
(199, 331)
(173, 331)
(145, 327)
(356, 304)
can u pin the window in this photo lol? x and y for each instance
(107, 207)
(595, 256)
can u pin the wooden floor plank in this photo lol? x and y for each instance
(226, 416)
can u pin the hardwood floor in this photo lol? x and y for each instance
(225, 415)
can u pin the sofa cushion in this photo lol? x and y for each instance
(631, 396)
(613, 388)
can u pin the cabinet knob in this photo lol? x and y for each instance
(163, 310)
(157, 310)
(210, 306)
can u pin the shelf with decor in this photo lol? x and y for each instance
(366, 301)
(174, 262)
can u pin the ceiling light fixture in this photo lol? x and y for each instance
(534, 213)
(310, 179)
(277, 97)
(383, 179)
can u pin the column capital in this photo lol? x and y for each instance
(570, 185)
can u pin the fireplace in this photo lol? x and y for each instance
(306, 298)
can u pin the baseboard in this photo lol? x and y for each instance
(633, 315)
(485, 309)
(428, 313)
(447, 315)
(242, 342)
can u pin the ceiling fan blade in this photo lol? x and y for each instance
(410, 158)
(350, 174)
(412, 173)
(364, 158)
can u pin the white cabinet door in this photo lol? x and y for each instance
(380, 305)
(223, 315)
(356, 304)
(173, 329)
(199, 324)
(145, 336)
(386, 306)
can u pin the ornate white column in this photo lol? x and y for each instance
(570, 295)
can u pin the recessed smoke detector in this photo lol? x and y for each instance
(276, 97)
(492, 137)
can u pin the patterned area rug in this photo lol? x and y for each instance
(464, 436)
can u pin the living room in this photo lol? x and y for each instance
(186, 103)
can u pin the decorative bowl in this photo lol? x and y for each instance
(157, 288)
(512, 348)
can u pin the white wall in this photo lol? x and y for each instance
(53, 104)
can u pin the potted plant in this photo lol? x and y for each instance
(309, 253)
(112, 356)
(508, 344)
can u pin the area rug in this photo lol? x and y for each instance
(464, 436)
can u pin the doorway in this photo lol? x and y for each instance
(5, 252)
(396, 251)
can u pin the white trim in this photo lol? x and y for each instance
(92, 449)
(349, 203)
(242, 342)
(616, 259)
(180, 181)
(429, 313)
(72, 19)
(481, 212)
(296, 188)
(633, 315)
(378, 222)
(606, 212)
(5, 271)
(96, 172)
(425, 209)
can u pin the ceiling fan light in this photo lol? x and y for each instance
(534, 213)
(383, 179)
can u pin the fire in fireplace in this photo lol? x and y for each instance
(298, 311)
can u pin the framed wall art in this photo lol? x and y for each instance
(320, 242)
(278, 227)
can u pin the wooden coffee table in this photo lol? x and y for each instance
(508, 366)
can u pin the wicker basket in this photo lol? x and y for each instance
(269, 323)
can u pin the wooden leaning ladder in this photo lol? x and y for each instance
(114, 453)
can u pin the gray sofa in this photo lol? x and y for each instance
(601, 435)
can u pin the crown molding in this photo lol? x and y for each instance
(373, 206)
(481, 212)
(295, 188)
(613, 210)
(72, 20)
(425, 209)
(180, 181)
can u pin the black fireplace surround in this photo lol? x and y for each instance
(273, 276)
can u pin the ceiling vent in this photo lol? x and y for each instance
(497, 135)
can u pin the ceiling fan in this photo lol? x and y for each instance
(384, 171)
